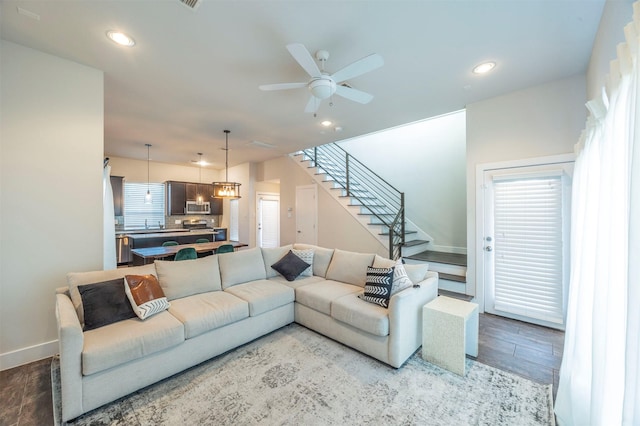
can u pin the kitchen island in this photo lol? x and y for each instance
(150, 254)
(157, 238)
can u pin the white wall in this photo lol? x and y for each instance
(136, 171)
(336, 227)
(536, 122)
(426, 160)
(51, 151)
(616, 14)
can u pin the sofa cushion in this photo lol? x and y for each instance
(400, 278)
(416, 272)
(306, 256)
(369, 317)
(263, 295)
(299, 282)
(74, 279)
(207, 311)
(188, 277)
(127, 340)
(145, 295)
(105, 303)
(271, 255)
(378, 287)
(290, 266)
(319, 296)
(349, 267)
(241, 267)
(321, 258)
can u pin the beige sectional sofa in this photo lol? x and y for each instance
(223, 301)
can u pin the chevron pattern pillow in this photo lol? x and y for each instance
(145, 295)
(377, 288)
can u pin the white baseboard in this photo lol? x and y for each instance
(448, 249)
(26, 355)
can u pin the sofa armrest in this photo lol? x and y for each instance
(70, 341)
(405, 318)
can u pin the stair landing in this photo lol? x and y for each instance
(440, 257)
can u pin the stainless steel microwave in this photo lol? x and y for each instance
(193, 207)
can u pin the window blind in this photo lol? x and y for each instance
(528, 247)
(136, 211)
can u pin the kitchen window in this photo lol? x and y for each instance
(137, 214)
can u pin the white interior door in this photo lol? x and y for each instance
(306, 214)
(268, 216)
(525, 242)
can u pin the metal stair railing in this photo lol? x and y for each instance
(359, 182)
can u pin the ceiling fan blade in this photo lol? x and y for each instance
(364, 65)
(304, 58)
(313, 104)
(353, 94)
(282, 86)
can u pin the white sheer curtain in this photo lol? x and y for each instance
(109, 227)
(599, 376)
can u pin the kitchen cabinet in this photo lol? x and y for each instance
(176, 197)
(117, 186)
(178, 193)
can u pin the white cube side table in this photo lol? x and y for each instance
(449, 331)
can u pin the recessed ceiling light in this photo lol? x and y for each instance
(484, 67)
(326, 123)
(120, 38)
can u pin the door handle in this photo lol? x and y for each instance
(488, 248)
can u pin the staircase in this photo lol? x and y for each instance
(369, 198)
(451, 268)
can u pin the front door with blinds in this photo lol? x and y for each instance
(526, 242)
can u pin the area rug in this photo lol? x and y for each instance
(295, 376)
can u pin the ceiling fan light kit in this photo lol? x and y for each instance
(323, 85)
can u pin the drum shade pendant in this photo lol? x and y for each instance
(147, 197)
(226, 189)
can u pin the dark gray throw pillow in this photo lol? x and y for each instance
(290, 266)
(105, 303)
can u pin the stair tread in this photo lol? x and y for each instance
(454, 295)
(415, 243)
(386, 233)
(452, 277)
(440, 257)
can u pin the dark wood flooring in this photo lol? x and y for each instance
(528, 350)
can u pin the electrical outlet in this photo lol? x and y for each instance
(177, 222)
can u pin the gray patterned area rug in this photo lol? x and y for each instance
(295, 376)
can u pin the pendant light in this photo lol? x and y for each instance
(226, 189)
(199, 197)
(147, 197)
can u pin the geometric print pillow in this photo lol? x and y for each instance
(307, 256)
(145, 295)
(377, 288)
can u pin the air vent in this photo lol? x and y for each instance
(261, 144)
(191, 4)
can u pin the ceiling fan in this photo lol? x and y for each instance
(323, 85)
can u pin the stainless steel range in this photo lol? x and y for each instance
(220, 234)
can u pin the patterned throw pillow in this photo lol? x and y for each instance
(145, 295)
(307, 256)
(290, 266)
(401, 279)
(377, 288)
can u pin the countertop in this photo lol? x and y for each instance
(149, 231)
(176, 233)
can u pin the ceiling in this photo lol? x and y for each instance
(195, 72)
